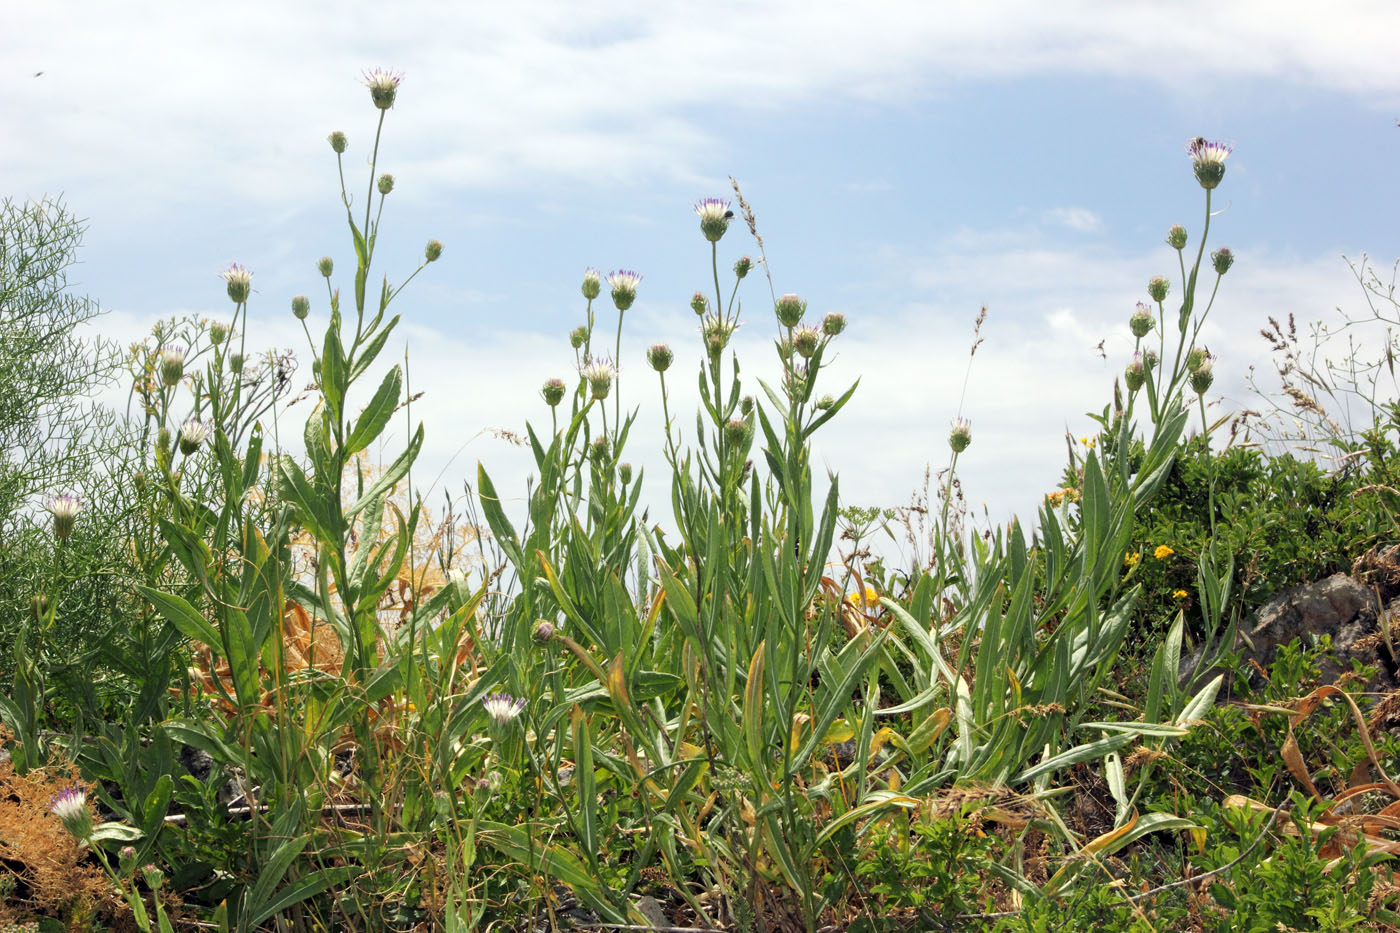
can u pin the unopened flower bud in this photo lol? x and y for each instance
(383, 86)
(805, 338)
(338, 141)
(826, 403)
(1142, 321)
(1157, 288)
(1208, 160)
(598, 449)
(301, 306)
(834, 324)
(624, 473)
(553, 392)
(599, 374)
(736, 432)
(126, 860)
(325, 266)
(578, 336)
(64, 508)
(699, 303)
(623, 283)
(1136, 373)
(217, 333)
(170, 361)
(240, 282)
(714, 217)
(386, 183)
(1222, 259)
(433, 250)
(746, 405)
(544, 631)
(153, 877)
(1149, 359)
(660, 357)
(39, 607)
(961, 435)
(1176, 236)
(235, 363)
(742, 267)
(790, 309)
(592, 283)
(192, 434)
(1194, 358)
(1203, 375)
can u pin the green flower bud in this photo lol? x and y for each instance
(325, 266)
(736, 432)
(1194, 358)
(553, 392)
(742, 267)
(961, 434)
(217, 333)
(239, 281)
(171, 363)
(1203, 375)
(746, 405)
(235, 363)
(699, 303)
(301, 306)
(1136, 373)
(338, 141)
(598, 449)
(660, 357)
(790, 309)
(826, 403)
(624, 473)
(805, 338)
(386, 183)
(1176, 236)
(1157, 288)
(834, 324)
(433, 250)
(578, 336)
(592, 283)
(544, 631)
(1222, 259)
(1142, 321)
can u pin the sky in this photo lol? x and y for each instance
(908, 163)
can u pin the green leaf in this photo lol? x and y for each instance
(183, 616)
(390, 477)
(377, 413)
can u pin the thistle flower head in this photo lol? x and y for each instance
(217, 332)
(338, 141)
(736, 432)
(790, 309)
(240, 282)
(599, 374)
(1208, 160)
(325, 265)
(598, 449)
(1136, 373)
(742, 266)
(433, 250)
(1157, 288)
(714, 216)
(386, 183)
(961, 434)
(1203, 375)
(64, 507)
(624, 473)
(660, 356)
(699, 303)
(1176, 236)
(624, 284)
(383, 86)
(805, 338)
(70, 806)
(544, 630)
(301, 306)
(1222, 259)
(592, 283)
(834, 324)
(716, 332)
(192, 434)
(553, 392)
(170, 360)
(503, 708)
(1142, 320)
(578, 336)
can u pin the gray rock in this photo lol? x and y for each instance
(1341, 607)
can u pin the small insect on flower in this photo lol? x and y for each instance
(714, 216)
(503, 708)
(64, 508)
(1163, 552)
(383, 86)
(1208, 160)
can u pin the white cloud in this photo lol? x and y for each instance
(1080, 219)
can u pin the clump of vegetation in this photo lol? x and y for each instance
(328, 716)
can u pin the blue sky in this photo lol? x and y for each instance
(908, 162)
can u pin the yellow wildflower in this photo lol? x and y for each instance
(1163, 552)
(869, 598)
(1179, 594)
(1131, 558)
